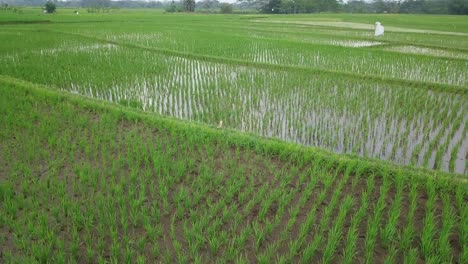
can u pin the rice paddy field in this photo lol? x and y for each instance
(335, 146)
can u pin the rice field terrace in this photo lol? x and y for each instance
(142, 137)
(320, 80)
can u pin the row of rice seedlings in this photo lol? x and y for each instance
(388, 233)
(441, 159)
(349, 252)
(334, 232)
(374, 220)
(213, 225)
(431, 137)
(409, 232)
(428, 245)
(273, 228)
(459, 140)
(428, 157)
(304, 196)
(462, 208)
(446, 231)
(296, 244)
(263, 226)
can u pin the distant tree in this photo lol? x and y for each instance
(96, 3)
(172, 7)
(226, 8)
(298, 6)
(288, 7)
(380, 6)
(251, 4)
(273, 7)
(412, 6)
(189, 5)
(50, 7)
(458, 7)
(208, 4)
(358, 6)
(435, 7)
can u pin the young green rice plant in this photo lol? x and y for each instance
(374, 221)
(294, 211)
(311, 217)
(335, 233)
(407, 236)
(259, 235)
(448, 223)
(351, 239)
(317, 239)
(389, 231)
(460, 197)
(429, 229)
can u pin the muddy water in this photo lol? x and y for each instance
(406, 126)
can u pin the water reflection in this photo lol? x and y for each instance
(407, 126)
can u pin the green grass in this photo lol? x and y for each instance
(86, 181)
(330, 150)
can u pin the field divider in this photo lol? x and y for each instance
(292, 152)
(438, 87)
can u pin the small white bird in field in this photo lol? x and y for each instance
(220, 125)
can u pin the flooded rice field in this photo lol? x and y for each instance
(402, 123)
(318, 54)
(389, 122)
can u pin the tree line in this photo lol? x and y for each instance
(213, 6)
(458, 7)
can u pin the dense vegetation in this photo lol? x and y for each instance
(110, 151)
(458, 7)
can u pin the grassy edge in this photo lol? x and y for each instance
(266, 146)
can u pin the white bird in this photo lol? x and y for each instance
(220, 125)
(379, 29)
